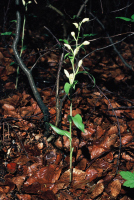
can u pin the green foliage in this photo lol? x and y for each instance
(61, 132)
(75, 17)
(13, 20)
(64, 40)
(77, 119)
(67, 87)
(24, 48)
(127, 19)
(67, 55)
(129, 176)
(12, 63)
(7, 33)
(89, 35)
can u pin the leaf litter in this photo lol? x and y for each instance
(33, 168)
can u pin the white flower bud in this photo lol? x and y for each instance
(86, 43)
(68, 46)
(71, 78)
(66, 73)
(76, 25)
(73, 34)
(79, 63)
(24, 3)
(85, 20)
(76, 51)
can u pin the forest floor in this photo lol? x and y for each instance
(31, 167)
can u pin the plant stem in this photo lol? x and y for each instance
(22, 41)
(27, 72)
(71, 150)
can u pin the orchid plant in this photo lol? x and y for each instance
(70, 86)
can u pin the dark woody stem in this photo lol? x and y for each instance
(26, 70)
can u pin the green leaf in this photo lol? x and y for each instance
(74, 83)
(87, 68)
(132, 17)
(12, 63)
(71, 58)
(24, 47)
(127, 175)
(64, 40)
(88, 35)
(61, 132)
(77, 119)
(69, 118)
(75, 17)
(66, 55)
(82, 47)
(129, 183)
(83, 72)
(124, 18)
(67, 87)
(6, 33)
(13, 20)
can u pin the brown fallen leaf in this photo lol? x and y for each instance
(126, 139)
(18, 181)
(48, 174)
(32, 169)
(98, 120)
(108, 141)
(115, 188)
(75, 143)
(52, 111)
(10, 69)
(91, 174)
(57, 187)
(8, 107)
(78, 176)
(99, 132)
(21, 159)
(9, 85)
(120, 77)
(76, 111)
(98, 190)
(48, 195)
(23, 196)
(66, 143)
(96, 151)
(3, 196)
(82, 164)
(112, 130)
(89, 131)
(127, 157)
(64, 196)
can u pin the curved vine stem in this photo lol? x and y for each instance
(26, 70)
